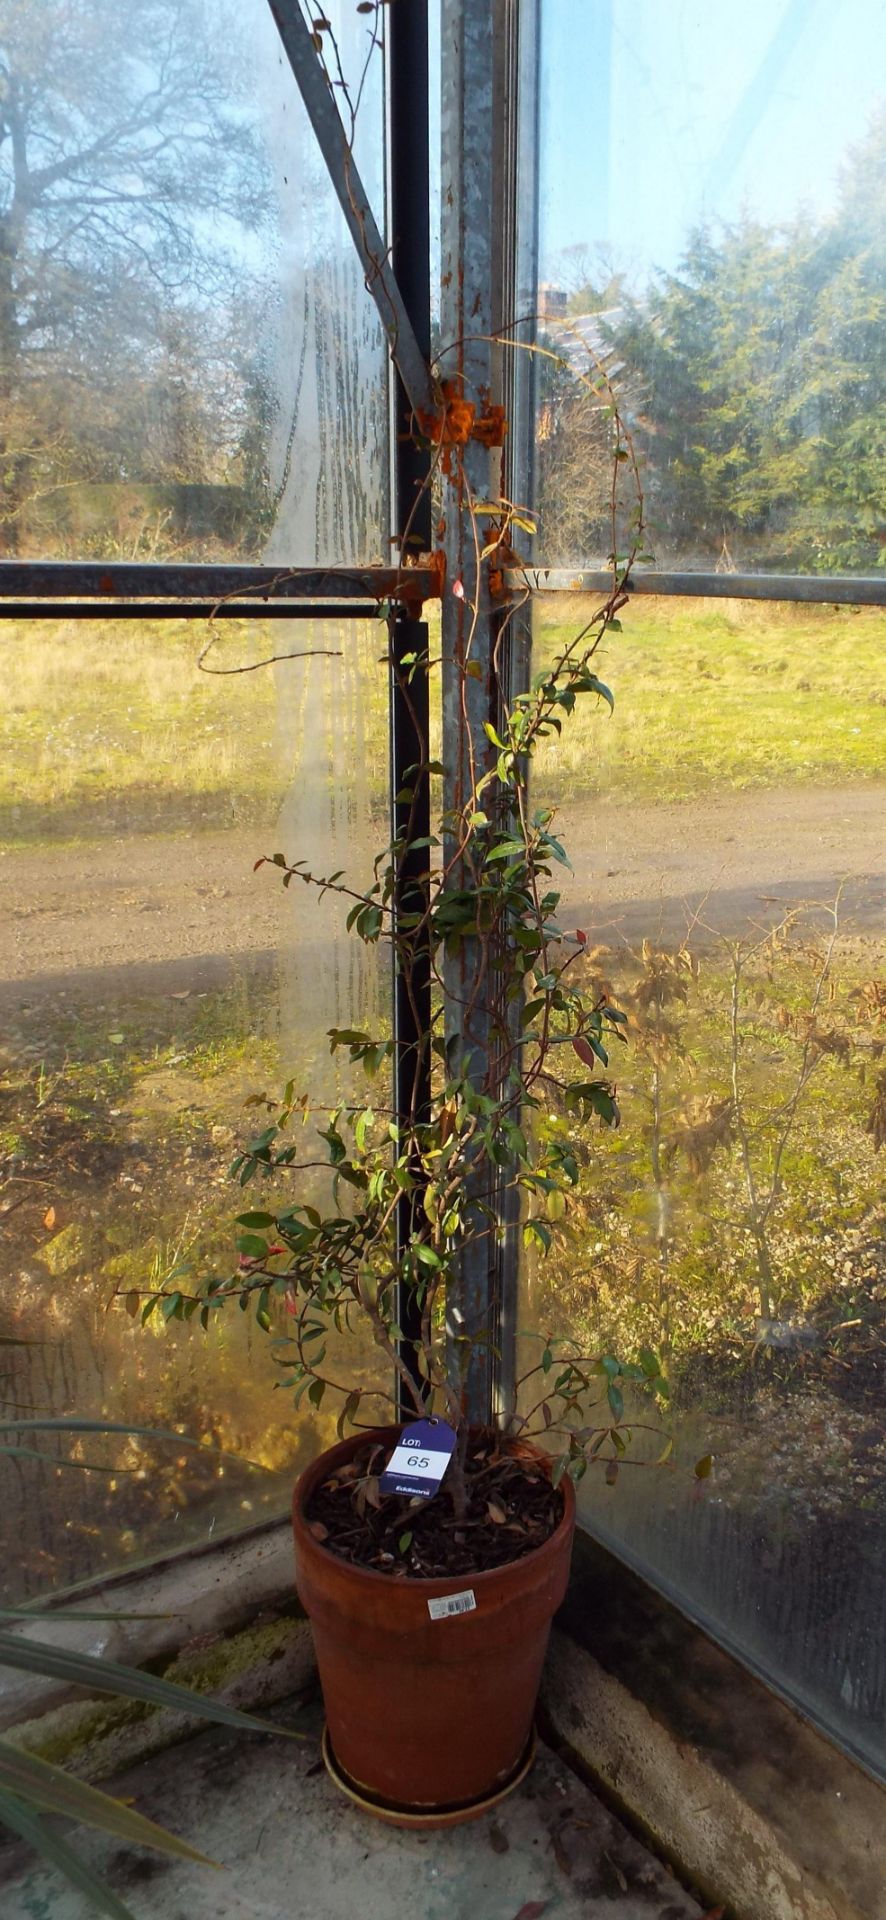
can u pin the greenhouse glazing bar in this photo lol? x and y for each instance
(158, 580)
(409, 200)
(478, 40)
(301, 52)
(835, 589)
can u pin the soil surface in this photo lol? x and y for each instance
(158, 913)
(511, 1508)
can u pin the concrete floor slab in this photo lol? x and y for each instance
(292, 1846)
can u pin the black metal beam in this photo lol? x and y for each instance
(835, 589)
(155, 580)
(410, 706)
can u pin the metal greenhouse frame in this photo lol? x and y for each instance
(490, 118)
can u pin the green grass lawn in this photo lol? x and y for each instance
(114, 728)
(713, 695)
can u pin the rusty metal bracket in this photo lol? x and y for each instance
(458, 420)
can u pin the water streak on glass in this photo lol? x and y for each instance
(726, 831)
(150, 983)
(713, 250)
(190, 364)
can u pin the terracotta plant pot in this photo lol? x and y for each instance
(428, 1720)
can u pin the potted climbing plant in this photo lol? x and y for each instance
(432, 1551)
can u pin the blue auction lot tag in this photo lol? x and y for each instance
(419, 1459)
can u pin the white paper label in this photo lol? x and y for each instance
(452, 1603)
(418, 1463)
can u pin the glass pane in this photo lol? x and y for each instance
(712, 238)
(190, 364)
(726, 830)
(150, 983)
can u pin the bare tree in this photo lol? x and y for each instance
(130, 173)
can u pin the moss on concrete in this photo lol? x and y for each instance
(94, 1736)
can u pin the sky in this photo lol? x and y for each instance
(657, 114)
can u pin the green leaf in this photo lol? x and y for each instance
(538, 1231)
(11, 1452)
(507, 850)
(75, 1425)
(597, 686)
(252, 1246)
(34, 1780)
(616, 1400)
(348, 1413)
(53, 1849)
(703, 1466)
(255, 1219)
(109, 1676)
(404, 1543)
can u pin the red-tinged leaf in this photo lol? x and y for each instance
(458, 589)
(582, 938)
(714, 1913)
(49, 1217)
(585, 1052)
(259, 863)
(533, 1910)
(317, 1530)
(611, 1474)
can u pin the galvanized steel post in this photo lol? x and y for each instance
(472, 311)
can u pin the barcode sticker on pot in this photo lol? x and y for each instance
(452, 1603)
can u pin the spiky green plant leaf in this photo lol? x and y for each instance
(36, 1782)
(110, 1676)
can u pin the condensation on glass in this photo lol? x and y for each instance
(190, 364)
(712, 258)
(726, 831)
(150, 983)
